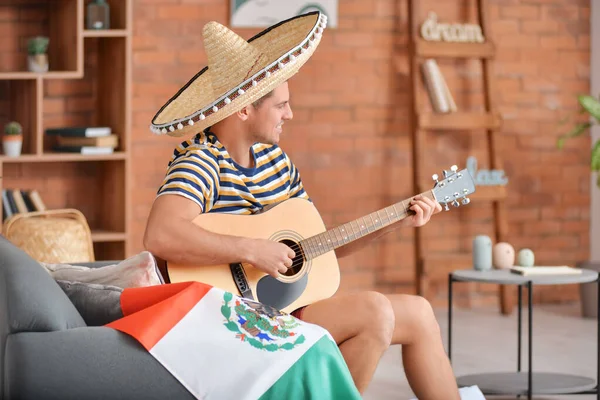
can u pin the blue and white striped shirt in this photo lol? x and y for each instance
(202, 171)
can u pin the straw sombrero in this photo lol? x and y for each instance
(239, 72)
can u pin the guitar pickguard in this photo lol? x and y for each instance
(278, 294)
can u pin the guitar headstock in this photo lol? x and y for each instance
(455, 186)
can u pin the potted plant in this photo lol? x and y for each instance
(37, 59)
(591, 107)
(12, 140)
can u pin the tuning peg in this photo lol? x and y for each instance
(446, 208)
(446, 173)
(435, 177)
(466, 200)
(455, 203)
(454, 168)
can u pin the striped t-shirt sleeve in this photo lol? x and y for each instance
(296, 186)
(194, 176)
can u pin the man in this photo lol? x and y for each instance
(237, 110)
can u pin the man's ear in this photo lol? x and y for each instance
(244, 113)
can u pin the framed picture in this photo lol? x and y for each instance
(264, 13)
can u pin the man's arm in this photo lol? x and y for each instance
(171, 235)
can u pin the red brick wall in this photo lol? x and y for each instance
(350, 135)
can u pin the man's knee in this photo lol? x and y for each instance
(378, 316)
(426, 317)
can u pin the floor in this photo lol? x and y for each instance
(484, 340)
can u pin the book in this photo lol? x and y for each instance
(88, 150)
(19, 201)
(435, 86)
(7, 210)
(544, 270)
(102, 141)
(90, 131)
(36, 199)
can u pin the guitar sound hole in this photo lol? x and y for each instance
(298, 259)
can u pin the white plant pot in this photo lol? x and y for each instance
(12, 148)
(38, 63)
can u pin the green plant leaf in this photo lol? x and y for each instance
(598, 180)
(591, 105)
(576, 131)
(595, 163)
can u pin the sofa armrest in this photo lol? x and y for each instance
(85, 363)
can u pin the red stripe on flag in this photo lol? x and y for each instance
(157, 309)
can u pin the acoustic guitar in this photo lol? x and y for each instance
(315, 273)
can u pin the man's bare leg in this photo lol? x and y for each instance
(425, 361)
(365, 324)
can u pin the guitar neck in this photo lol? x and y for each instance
(339, 236)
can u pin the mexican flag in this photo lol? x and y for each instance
(221, 346)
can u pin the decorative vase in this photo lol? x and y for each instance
(482, 253)
(526, 258)
(98, 15)
(12, 144)
(503, 255)
(37, 62)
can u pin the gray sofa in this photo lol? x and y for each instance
(48, 352)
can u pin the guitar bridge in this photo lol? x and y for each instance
(239, 277)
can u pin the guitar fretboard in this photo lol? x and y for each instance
(331, 239)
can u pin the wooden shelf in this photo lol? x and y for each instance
(459, 121)
(60, 157)
(18, 75)
(108, 236)
(105, 33)
(97, 185)
(427, 49)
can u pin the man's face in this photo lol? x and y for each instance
(267, 119)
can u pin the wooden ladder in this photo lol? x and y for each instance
(432, 265)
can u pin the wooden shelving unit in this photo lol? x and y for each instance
(437, 266)
(100, 62)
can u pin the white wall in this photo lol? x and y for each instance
(595, 75)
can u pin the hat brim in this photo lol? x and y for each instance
(284, 48)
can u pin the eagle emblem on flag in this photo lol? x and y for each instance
(259, 325)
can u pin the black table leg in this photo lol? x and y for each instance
(520, 316)
(598, 343)
(450, 280)
(529, 378)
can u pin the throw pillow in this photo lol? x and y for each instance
(98, 304)
(139, 270)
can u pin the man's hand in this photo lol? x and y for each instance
(269, 256)
(424, 208)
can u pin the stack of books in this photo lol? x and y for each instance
(84, 140)
(15, 201)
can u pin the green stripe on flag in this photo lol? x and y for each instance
(321, 371)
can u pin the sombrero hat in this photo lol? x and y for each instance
(239, 72)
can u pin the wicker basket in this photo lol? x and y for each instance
(54, 236)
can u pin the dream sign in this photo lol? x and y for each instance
(434, 31)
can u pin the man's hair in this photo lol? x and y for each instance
(259, 102)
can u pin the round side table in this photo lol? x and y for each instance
(519, 383)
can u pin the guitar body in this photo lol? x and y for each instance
(288, 222)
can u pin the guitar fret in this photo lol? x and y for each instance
(389, 215)
(371, 215)
(395, 211)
